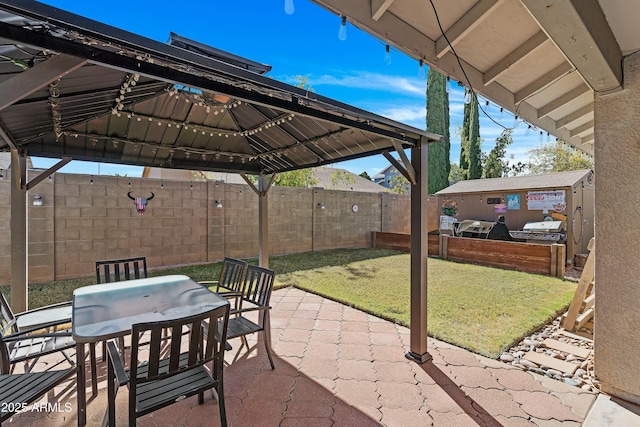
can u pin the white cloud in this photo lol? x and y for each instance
(369, 81)
(405, 114)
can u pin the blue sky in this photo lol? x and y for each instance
(352, 71)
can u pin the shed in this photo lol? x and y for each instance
(529, 198)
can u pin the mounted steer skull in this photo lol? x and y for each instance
(141, 202)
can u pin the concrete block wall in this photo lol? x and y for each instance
(99, 221)
(396, 213)
(87, 218)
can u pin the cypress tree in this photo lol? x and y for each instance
(464, 143)
(438, 122)
(475, 152)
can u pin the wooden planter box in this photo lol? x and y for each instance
(402, 242)
(528, 257)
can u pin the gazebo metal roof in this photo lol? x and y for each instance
(76, 88)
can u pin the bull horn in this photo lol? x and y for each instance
(152, 195)
(132, 198)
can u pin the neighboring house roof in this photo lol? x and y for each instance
(323, 175)
(526, 182)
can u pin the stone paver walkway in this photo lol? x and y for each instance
(337, 366)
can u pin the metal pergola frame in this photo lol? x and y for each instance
(75, 78)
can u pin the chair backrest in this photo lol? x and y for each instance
(115, 270)
(5, 363)
(232, 275)
(7, 319)
(258, 285)
(200, 351)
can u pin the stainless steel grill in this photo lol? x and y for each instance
(542, 232)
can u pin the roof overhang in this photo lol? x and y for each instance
(73, 87)
(542, 60)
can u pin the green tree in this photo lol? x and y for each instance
(495, 166)
(365, 175)
(296, 178)
(475, 152)
(399, 184)
(558, 157)
(303, 82)
(464, 143)
(341, 180)
(438, 122)
(456, 173)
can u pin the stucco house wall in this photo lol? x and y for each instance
(617, 270)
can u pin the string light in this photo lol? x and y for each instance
(387, 55)
(289, 8)
(467, 96)
(447, 86)
(342, 31)
(421, 72)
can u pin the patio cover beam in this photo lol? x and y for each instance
(37, 77)
(44, 175)
(580, 30)
(470, 20)
(379, 7)
(517, 55)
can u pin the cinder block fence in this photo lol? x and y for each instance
(83, 219)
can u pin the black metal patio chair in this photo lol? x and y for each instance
(231, 282)
(17, 391)
(158, 380)
(29, 344)
(257, 294)
(116, 270)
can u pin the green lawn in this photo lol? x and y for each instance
(483, 309)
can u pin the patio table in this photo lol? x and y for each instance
(106, 311)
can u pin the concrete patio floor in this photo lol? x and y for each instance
(337, 366)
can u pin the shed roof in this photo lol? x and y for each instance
(73, 87)
(526, 182)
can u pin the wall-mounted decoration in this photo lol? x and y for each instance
(141, 202)
(546, 201)
(500, 208)
(513, 202)
(494, 200)
(449, 207)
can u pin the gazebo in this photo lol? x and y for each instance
(76, 89)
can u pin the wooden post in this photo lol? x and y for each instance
(562, 260)
(263, 221)
(19, 234)
(554, 260)
(444, 246)
(583, 290)
(419, 249)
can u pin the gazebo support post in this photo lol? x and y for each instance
(263, 221)
(419, 240)
(19, 233)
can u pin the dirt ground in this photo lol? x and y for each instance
(573, 273)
